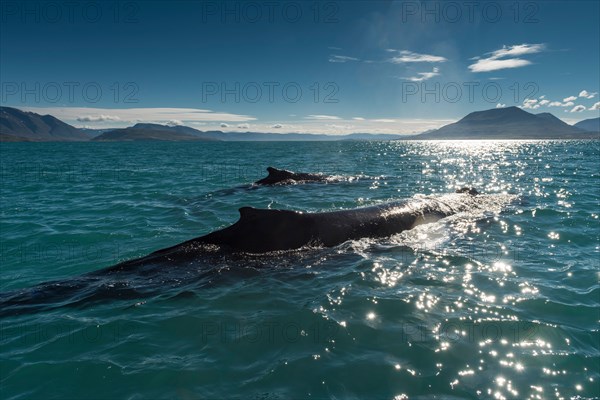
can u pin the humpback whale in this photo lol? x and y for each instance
(268, 230)
(282, 177)
(258, 231)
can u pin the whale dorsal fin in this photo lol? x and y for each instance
(275, 176)
(247, 213)
(278, 173)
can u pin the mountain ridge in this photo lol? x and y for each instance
(35, 127)
(499, 123)
(590, 124)
(506, 123)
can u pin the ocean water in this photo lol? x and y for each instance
(502, 303)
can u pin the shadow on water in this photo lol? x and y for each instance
(151, 277)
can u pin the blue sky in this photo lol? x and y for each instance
(298, 66)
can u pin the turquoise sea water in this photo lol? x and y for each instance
(495, 305)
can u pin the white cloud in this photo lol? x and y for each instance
(487, 65)
(174, 122)
(531, 103)
(578, 108)
(518, 50)
(423, 76)
(504, 58)
(341, 59)
(385, 124)
(224, 125)
(570, 98)
(358, 118)
(559, 104)
(596, 106)
(544, 102)
(542, 97)
(120, 117)
(406, 56)
(277, 126)
(323, 117)
(243, 126)
(98, 118)
(587, 95)
(500, 105)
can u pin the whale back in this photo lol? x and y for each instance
(260, 230)
(275, 176)
(281, 176)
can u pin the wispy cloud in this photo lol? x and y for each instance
(323, 117)
(126, 116)
(405, 56)
(334, 58)
(570, 98)
(506, 57)
(399, 57)
(243, 126)
(423, 76)
(277, 126)
(596, 106)
(518, 50)
(98, 118)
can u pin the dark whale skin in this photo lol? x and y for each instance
(282, 177)
(264, 230)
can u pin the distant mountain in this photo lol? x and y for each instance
(17, 125)
(146, 131)
(498, 123)
(92, 133)
(29, 126)
(154, 132)
(5, 137)
(294, 137)
(507, 123)
(591, 125)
